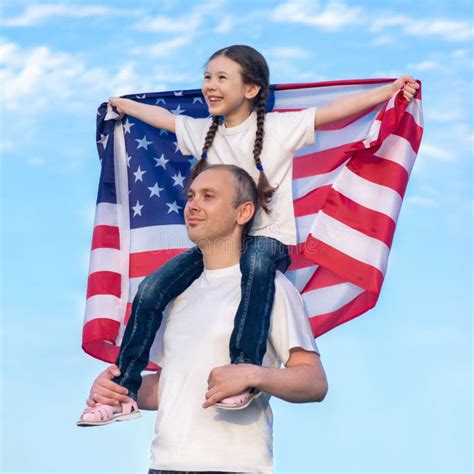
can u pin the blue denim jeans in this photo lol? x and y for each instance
(261, 258)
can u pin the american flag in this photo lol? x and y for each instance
(348, 189)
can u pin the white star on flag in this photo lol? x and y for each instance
(140, 96)
(155, 190)
(177, 147)
(178, 179)
(163, 132)
(137, 209)
(143, 143)
(197, 99)
(139, 175)
(160, 101)
(161, 161)
(127, 126)
(173, 207)
(178, 110)
(128, 160)
(103, 140)
(178, 93)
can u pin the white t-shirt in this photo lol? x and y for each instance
(192, 340)
(285, 133)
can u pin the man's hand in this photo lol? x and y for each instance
(410, 86)
(227, 381)
(105, 391)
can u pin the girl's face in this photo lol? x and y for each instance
(224, 91)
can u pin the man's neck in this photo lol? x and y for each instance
(221, 254)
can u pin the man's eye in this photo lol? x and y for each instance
(208, 196)
(222, 77)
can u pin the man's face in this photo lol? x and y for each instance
(209, 214)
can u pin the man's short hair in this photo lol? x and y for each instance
(245, 189)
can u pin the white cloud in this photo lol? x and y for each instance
(451, 30)
(424, 66)
(422, 201)
(36, 14)
(381, 40)
(435, 152)
(332, 17)
(36, 161)
(164, 24)
(225, 25)
(288, 53)
(39, 78)
(168, 48)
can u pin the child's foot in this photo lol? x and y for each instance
(240, 401)
(101, 414)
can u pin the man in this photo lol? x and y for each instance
(192, 348)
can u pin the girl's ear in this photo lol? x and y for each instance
(251, 90)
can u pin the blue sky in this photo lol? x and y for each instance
(400, 397)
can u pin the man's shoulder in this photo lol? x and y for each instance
(285, 289)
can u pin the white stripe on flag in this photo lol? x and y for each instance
(103, 306)
(300, 277)
(105, 260)
(330, 298)
(347, 240)
(106, 214)
(159, 237)
(303, 186)
(398, 150)
(373, 196)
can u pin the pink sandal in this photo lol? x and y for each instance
(101, 414)
(240, 401)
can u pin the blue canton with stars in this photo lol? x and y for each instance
(158, 173)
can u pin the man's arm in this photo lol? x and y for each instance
(353, 104)
(302, 380)
(151, 114)
(105, 391)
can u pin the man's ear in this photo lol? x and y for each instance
(246, 212)
(251, 90)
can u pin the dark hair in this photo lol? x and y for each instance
(245, 189)
(254, 71)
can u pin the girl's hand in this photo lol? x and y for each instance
(105, 391)
(118, 103)
(410, 86)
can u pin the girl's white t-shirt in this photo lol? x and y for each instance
(285, 132)
(192, 340)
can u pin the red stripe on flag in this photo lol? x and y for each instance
(322, 162)
(345, 82)
(337, 124)
(410, 131)
(104, 283)
(325, 322)
(379, 171)
(106, 236)
(369, 222)
(298, 260)
(322, 278)
(361, 274)
(312, 202)
(98, 339)
(143, 263)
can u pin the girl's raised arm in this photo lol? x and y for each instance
(353, 104)
(154, 115)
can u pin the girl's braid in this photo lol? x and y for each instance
(264, 190)
(211, 133)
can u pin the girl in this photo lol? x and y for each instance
(235, 87)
